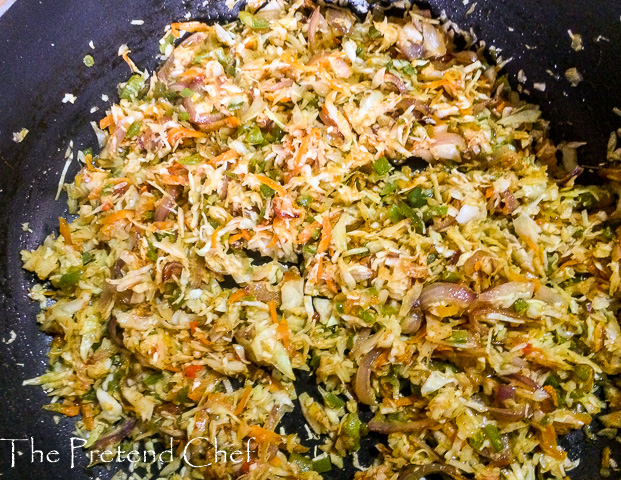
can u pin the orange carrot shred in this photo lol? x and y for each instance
(176, 27)
(65, 231)
(326, 234)
(241, 405)
(277, 187)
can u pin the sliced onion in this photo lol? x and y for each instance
(448, 146)
(114, 332)
(168, 201)
(396, 81)
(362, 385)
(200, 118)
(115, 437)
(446, 294)
(411, 323)
(410, 42)
(507, 292)
(386, 427)
(549, 296)
(261, 293)
(284, 83)
(494, 315)
(171, 269)
(506, 414)
(504, 393)
(416, 472)
(339, 20)
(433, 43)
(575, 173)
(528, 384)
(313, 26)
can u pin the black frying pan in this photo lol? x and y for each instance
(42, 44)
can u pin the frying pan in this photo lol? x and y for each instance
(42, 44)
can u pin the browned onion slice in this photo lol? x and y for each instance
(447, 294)
(168, 201)
(416, 472)
(362, 384)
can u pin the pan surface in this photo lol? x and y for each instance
(42, 45)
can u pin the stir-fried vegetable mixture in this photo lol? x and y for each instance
(303, 191)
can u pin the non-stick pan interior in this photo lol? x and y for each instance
(42, 45)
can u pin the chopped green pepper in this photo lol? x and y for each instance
(168, 40)
(520, 306)
(152, 379)
(381, 166)
(493, 435)
(374, 32)
(418, 197)
(187, 92)
(192, 159)
(417, 222)
(87, 257)
(409, 70)
(303, 463)
(88, 60)
(477, 441)
(366, 315)
(184, 116)
(152, 253)
(266, 191)
(394, 214)
(132, 88)
(133, 130)
(322, 464)
(304, 200)
(389, 188)
(71, 278)
(334, 401)
(253, 21)
(458, 336)
(254, 136)
(351, 426)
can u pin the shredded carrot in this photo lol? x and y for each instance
(192, 73)
(303, 150)
(191, 370)
(273, 241)
(306, 234)
(106, 122)
(116, 216)
(246, 234)
(65, 231)
(319, 270)
(282, 327)
(70, 410)
(193, 326)
(552, 393)
(234, 238)
(177, 134)
(277, 187)
(175, 180)
(129, 61)
(263, 435)
(548, 443)
(224, 157)
(332, 286)
(273, 314)
(230, 122)
(326, 234)
(176, 27)
(241, 405)
(237, 296)
(214, 237)
(88, 415)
